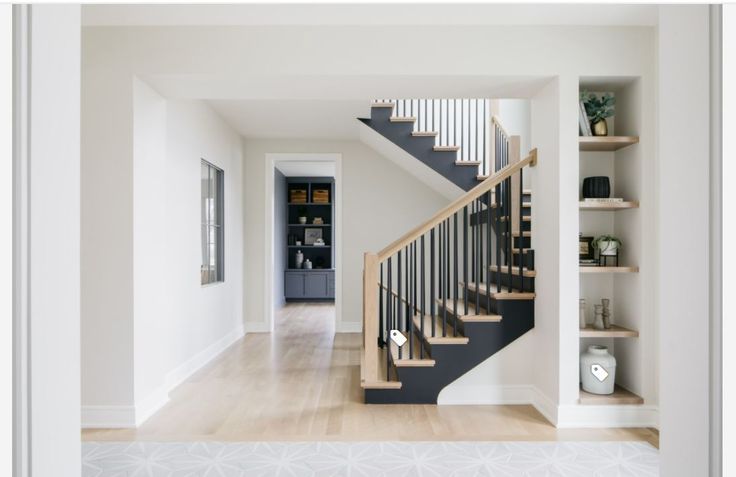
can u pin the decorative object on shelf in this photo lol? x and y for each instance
(598, 322)
(302, 215)
(597, 370)
(585, 251)
(319, 243)
(298, 196)
(318, 221)
(321, 196)
(298, 242)
(583, 121)
(596, 187)
(601, 200)
(598, 109)
(307, 264)
(299, 259)
(606, 312)
(582, 322)
(311, 236)
(291, 239)
(608, 246)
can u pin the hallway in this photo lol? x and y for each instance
(302, 383)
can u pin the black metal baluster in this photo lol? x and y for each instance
(499, 236)
(381, 317)
(521, 229)
(431, 279)
(488, 251)
(472, 246)
(409, 323)
(465, 258)
(477, 256)
(398, 294)
(421, 293)
(511, 227)
(446, 290)
(441, 244)
(457, 285)
(485, 130)
(389, 309)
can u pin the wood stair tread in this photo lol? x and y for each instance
(468, 163)
(523, 204)
(383, 104)
(527, 233)
(446, 148)
(473, 315)
(504, 294)
(514, 270)
(425, 133)
(516, 250)
(525, 218)
(403, 119)
(405, 361)
(438, 338)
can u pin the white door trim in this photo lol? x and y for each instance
(271, 160)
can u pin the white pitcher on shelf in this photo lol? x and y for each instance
(299, 259)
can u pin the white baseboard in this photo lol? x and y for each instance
(108, 417)
(568, 416)
(587, 416)
(486, 394)
(257, 327)
(349, 327)
(177, 375)
(96, 417)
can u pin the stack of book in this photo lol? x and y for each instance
(606, 200)
(584, 122)
(588, 262)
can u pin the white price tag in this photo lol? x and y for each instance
(398, 338)
(599, 372)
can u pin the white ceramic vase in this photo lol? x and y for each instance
(597, 370)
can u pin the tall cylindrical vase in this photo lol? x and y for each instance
(598, 323)
(582, 323)
(606, 303)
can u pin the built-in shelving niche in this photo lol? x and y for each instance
(620, 157)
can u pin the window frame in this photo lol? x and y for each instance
(212, 228)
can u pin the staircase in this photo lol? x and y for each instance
(460, 287)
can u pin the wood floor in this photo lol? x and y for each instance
(303, 383)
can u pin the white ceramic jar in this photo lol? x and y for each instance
(597, 370)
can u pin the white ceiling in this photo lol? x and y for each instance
(324, 107)
(306, 168)
(370, 14)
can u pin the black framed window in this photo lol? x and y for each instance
(212, 232)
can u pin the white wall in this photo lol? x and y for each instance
(47, 269)
(148, 323)
(378, 196)
(683, 281)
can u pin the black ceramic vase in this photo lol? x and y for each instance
(598, 187)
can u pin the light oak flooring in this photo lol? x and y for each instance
(302, 383)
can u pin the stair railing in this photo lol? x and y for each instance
(415, 282)
(457, 122)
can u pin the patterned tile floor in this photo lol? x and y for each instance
(369, 459)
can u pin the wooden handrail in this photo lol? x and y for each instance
(459, 203)
(495, 119)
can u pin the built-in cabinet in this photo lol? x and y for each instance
(310, 215)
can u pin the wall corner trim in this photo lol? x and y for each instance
(349, 327)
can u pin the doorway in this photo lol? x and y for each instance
(303, 236)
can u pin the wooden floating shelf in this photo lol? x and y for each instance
(613, 332)
(631, 204)
(619, 396)
(310, 203)
(609, 269)
(606, 143)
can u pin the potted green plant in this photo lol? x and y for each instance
(607, 245)
(598, 109)
(302, 211)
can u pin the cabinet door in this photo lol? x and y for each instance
(331, 285)
(315, 285)
(294, 285)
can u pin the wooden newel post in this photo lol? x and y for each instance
(370, 316)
